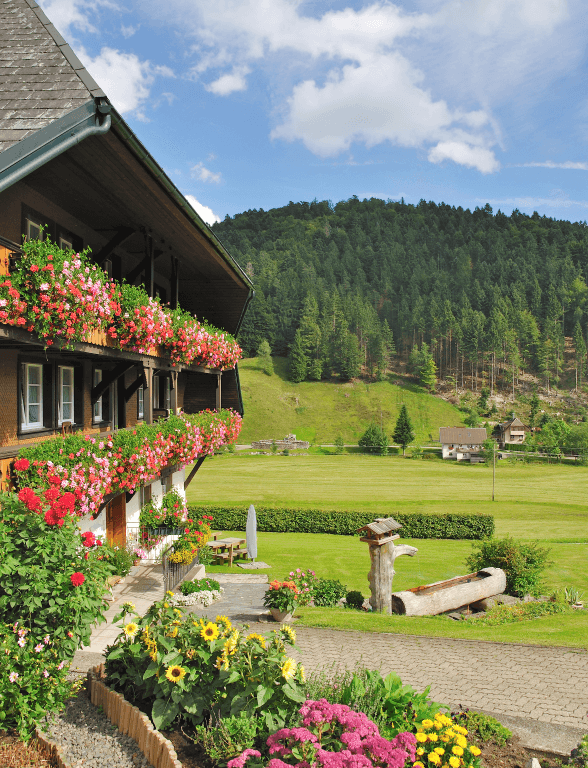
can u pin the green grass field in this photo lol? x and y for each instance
(319, 411)
(541, 502)
(546, 502)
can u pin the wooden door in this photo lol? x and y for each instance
(116, 521)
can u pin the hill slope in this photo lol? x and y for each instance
(319, 411)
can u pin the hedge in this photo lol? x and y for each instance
(415, 525)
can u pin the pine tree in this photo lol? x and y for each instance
(298, 359)
(403, 434)
(374, 440)
(580, 353)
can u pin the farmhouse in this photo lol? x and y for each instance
(461, 443)
(72, 171)
(511, 432)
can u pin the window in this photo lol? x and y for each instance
(34, 231)
(66, 395)
(32, 396)
(141, 403)
(97, 407)
(67, 245)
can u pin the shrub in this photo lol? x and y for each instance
(374, 440)
(224, 739)
(523, 563)
(199, 585)
(415, 525)
(33, 679)
(332, 735)
(354, 599)
(328, 592)
(119, 559)
(53, 579)
(485, 728)
(182, 669)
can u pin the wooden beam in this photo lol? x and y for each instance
(175, 283)
(140, 381)
(195, 469)
(122, 234)
(143, 266)
(108, 378)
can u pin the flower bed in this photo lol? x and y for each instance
(63, 297)
(204, 598)
(93, 467)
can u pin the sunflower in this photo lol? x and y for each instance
(153, 654)
(289, 632)
(222, 661)
(128, 607)
(301, 672)
(131, 629)
(257, 638)
(175, 673)
(209, 632)
(172, 633)
(226, 622)
(288, 668)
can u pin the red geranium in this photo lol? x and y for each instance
(21, 465)
(77, 579)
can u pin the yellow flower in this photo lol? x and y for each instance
(230, 645)
(288, 668)
(226, 622)
(422, 737)
(166, 605)
(222, 661)
(418, 764)
(439, 750)
(454, 761)
(289, 632)
(258, 638)
(433, 737)
(128, 606)
(177, 610)
(427, 723)
(437, 725)
(475, 751)
(444, 737)
(170, 593)
(460, 729)
(131, 629)
(175, 673)
(457, 751)
(209, 632)
(172, 633)
(461, 741)
(153, 654)
(301, 671)
(434, 758)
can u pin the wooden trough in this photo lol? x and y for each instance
(431, 599)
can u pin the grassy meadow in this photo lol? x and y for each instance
(319, 411)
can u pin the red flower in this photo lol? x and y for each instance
(53, 479)
(51, 517)
(77, 579)
(30, 499)
(21, 465)
(51, 494)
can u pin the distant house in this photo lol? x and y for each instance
(461, 443)
(511, 432)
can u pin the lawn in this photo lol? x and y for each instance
(533, 501)
(542, 502)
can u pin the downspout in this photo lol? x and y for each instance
(77, 135)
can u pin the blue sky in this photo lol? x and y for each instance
(253, 103)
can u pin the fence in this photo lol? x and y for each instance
(173, 573)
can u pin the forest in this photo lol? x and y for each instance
(346, 289)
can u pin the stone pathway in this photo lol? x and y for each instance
(532, 687)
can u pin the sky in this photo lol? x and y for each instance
(250, 104)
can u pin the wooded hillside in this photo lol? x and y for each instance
(344, 288)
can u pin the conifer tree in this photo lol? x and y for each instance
(580, 354)
(403, 434)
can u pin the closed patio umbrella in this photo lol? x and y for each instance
(251, 533)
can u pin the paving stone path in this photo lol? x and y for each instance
(538, 684)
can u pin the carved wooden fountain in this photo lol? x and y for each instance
(380, 537)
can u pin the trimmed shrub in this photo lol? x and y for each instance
(327, 592)
(523, 563)
(354, 599)
(415, 525)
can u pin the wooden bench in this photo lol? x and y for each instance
(228, 549)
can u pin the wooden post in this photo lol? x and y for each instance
(383, 553)
(148, 397)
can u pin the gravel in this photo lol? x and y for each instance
(90, 740)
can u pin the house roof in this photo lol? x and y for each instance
(516, 422)
(41, 78)
(381, 525)
(462, 435)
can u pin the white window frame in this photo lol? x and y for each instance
(60, 419)
(97, 415)
(25, 402)
(141, 403)
(65, 244)
(34, 231)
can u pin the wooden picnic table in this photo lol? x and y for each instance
(228, 548)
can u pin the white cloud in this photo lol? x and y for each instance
(557, 199)
(125, 79)
(67, 14)
(569, 164)
(201, 173)
(205, 213)
(429, 79)
(129, 31)
(226, 84)
(464, 154)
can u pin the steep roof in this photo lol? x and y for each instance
(41, 79)
(516, 422)
(462, 435)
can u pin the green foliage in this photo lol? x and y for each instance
(199, 585)
(339, 445)
(328, 592)
(169, 513)
(37, 562)
(415, 525)
(579, 755)
(305, 581)
(298, 359)
(182, 669)
(33, 679)
(374, 440)
(472, 419)
(119, 559)
(507, 614)
(403, 434)
(486, 728)
(354, 599)
(264, 358)
(281, 595)
(223, 739)
(422, 364)
(523, 563)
